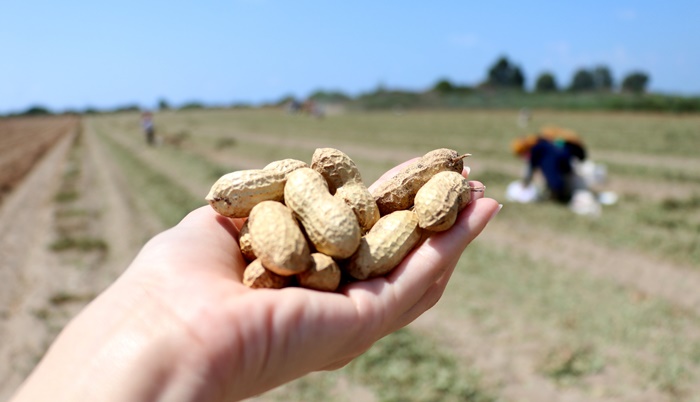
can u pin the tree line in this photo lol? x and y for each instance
(503, 87)
(505, 75)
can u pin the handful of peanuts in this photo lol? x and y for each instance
(315, 225)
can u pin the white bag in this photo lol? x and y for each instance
(516, 192)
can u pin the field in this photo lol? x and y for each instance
(544, 306)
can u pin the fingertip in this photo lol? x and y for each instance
(469, 224)
(477, 190)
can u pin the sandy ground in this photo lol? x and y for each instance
(40, 289)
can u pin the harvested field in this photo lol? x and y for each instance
(545, 305)
(23, 141)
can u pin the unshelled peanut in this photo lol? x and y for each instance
(277, 239)
(329, 223)
(324, 274)
(345, 182)
(385, 245)
(398, 192)
(439, 201)
(256, 276)
(244, 243)
(236, 193)
(285, 165)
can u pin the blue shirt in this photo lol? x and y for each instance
(554, 162)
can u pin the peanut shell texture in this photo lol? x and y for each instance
(440, 200)
(385, 245)
(256, 276)
(330, 225)
(235, 194)
(324, 274)
(398, 192)
(277, 239)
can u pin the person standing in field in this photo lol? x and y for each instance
(148, 127)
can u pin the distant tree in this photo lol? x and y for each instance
(504, 74)
(602, 78)
(127, 108)
(546, 83)
(36, 111)
(163, 104)
(635, 82)
(192, 105)
(285, 100)
(329, 96)
(518, 78)
(583, 81)
(443, 86)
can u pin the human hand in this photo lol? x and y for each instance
(179, 324)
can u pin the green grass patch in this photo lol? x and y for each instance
(569, 363)
(169, 201)
(405, 366)
(582, 325)
(75, 213)
(61, 298)
(83, 244)
(66, 195)
(633, 223)
(653, 172)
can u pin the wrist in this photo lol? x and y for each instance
(120, 347)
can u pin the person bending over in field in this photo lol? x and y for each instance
(552, 152)
(179, 325)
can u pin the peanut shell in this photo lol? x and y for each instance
(439, 201)
(329, 223)
(277, 239)
(345, 181)
(385, 245)
(323, 275)
(398, 192)
(286, 165)
(244, 243)
(235, 194)
(256, 276)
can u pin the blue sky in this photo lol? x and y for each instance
(75, 54)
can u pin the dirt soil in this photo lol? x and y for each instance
(23, 142)
(58, 213)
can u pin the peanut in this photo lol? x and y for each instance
(324, 274)
(439, 201)
(236, 193)
(256, 276)
(285, 165)
(244, 243)
(398, 192)
(345, 181)
(330, 224)
(385, 245)
(277, 239)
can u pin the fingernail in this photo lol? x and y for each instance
(496, 211)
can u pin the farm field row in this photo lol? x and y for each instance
(23, 141)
